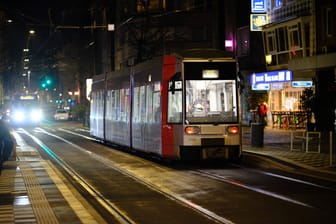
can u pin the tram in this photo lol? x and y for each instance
(25, 109)
(176, 107)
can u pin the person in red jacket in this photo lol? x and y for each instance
(262, 112)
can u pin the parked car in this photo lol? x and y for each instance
(62, 115)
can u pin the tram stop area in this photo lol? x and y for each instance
(300, 135)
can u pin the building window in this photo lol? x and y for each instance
(328, 22)
(276, 4)
(270, 42)
(282, 37)
(295, 36)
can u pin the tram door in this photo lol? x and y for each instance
(172, 123)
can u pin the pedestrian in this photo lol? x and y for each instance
(6, 143)
(262, 112)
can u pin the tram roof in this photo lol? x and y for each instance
(208, 54)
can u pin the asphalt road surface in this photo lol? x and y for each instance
(145, 190)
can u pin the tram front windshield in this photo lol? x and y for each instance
(211, 101)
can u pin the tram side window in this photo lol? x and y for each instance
(127, 104)
(122, 105)
(113, 106)
(153, 103)
(149, 103)
(109, 104)
(175, 102)
(117, 103)
(142, 105)
(100, 104)
(93, 105)
(136, 106)
(157, 102)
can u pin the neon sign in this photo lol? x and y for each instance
(271, 77)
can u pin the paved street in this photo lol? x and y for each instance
(277, 146)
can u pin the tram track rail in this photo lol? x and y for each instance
(248, 187)
(104, 202)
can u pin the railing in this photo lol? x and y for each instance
(289, 119)
(306, 139)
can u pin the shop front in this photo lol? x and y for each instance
(284, 97)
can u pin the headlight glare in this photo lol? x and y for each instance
(36, 115)
(19, 115)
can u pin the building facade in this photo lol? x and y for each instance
(145, 29)
(300, 37)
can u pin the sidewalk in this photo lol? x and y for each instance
(277, 148)
(32, 190)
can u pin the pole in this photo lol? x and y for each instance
(331, 149)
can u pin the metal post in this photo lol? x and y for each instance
(330, 149)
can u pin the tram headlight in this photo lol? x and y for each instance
(18, 115)
(192, 130)
(233, 129)
(36, 115)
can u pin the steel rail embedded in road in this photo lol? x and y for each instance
(110, 207)
(255, 189)
(207, 213)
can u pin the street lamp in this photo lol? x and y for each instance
(26, 60)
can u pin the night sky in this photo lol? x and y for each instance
(43, 17)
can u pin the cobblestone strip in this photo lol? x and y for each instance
(42, 210)
(14, 204)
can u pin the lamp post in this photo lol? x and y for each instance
(26, 59)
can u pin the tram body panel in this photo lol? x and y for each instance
(96, 115)
(117, 108)
(213, 141)
(152, 107)
(147, 137)
(147, 106)
(170, 143)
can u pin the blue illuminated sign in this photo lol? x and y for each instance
(261, 86)
(302, 83)
(271, 77)
(258, 6)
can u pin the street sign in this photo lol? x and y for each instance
(261, 86)
(271, 77)
(257, 21)
(258, 6)
(302, 83)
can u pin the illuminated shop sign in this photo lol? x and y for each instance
(258, 6)
(257, 21)
(271, 77)
(261, 86)
(302, 83)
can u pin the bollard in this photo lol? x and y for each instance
(331, 149)
(257, 134)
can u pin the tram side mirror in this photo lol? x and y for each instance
(172, 87)
(172, 82)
